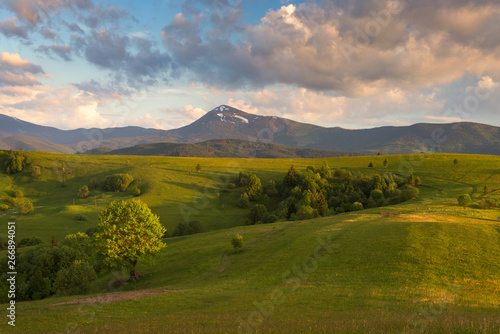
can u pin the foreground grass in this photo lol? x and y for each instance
(435, 268)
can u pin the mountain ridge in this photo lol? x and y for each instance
(225, 122)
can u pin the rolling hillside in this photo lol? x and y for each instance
(433, 267)
(222, 148)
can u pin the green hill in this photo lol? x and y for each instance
(222, 148)
(431, 267)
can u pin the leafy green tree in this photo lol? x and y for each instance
(15, 161)
(128, 233)
(356, 206)
(187, 228)
(254, 188)
(319, 203)
(117, 182)
(455, 162)
(78, 279)
(83, 192)
(486, 190)
(464, 200)
(257, 213)
(370, 164)
(24, 206)
(237, 242)
(198, 167)
(409, 192)
(4, 207)
(386, 163)
(35, 172)
(291, 178)
(30, 241)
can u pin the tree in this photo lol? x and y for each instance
(83, 192)
(370, 164)
(117, 182)
(257, 213)
(35, 172)
(386, 163)
(254, 187)
(486, 190)
(237, 242)
(24, 206)
(455, 162)
(291, 178)
(128, 233)
(15, 162)
(464, 200)
(78, 279)
(198, 167)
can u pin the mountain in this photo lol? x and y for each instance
(32, 144)
(225, 122)
(11, 126)
(221, 148)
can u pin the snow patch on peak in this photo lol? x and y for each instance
(222, 108)
(243, 119)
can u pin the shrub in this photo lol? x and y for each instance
(269, 218)
(187, 228)
(117, 182)
(370, 164)
(4, 207)
(237, 242)
(76, 280)
(409, 192)
(464, 200)
(90, 231)
(24, 206)
(198, 167)
(306, 212)
(30, 241)
(18, 194)
(16, 161)
(36, 171)
(81, 218)
(12, 200)
(254, 188)
(257, 213)
(83, 192)
(489, 203)
(136, 191)
(244, 202)
(356, 206)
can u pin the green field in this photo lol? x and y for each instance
(435, 268)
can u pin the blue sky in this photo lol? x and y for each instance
(163, 64)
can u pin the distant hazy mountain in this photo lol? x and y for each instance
(11, 126)
(32, 144)
(225, 122)
(221, 148)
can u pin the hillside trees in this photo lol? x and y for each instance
(117, 182)
(319, 192)
(128, 233)
(15, 161)
(464, 200)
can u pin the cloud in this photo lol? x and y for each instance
(15, 71)
(63, 51)
(9, 28)
(359, 48)
(34, 11)
(50, 34)
(178, 117)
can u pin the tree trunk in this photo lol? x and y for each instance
(133, 273)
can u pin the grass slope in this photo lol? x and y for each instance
(435, 268)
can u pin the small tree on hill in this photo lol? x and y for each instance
(35, 172)
(254, 187)
(464, 200)
(370, 164)
(24, 206)
(486, 190)
(237, 242)
(198, 167)
(83, 192)
(455, 162)
(128, 233)
(15, 162)
(386, 163)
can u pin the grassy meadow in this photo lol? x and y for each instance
(434, 268)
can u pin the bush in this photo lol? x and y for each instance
(30, 241)
(356, 206)
(254, 188)
(36, 171)
(90, 231)
(489, 203)
(83, 192)
(4, 207)
(409, 192)
(12, 200)
(117, 182)
(370, 164)
(306, 212)
(257, 213)
(464, 200)
(244, 202)
(187, 228)
(237, 242)
(81, 218)
(269, 218)
(76, 280)
(24, 206)
(16, 161)
(18, 194)
(136, 192)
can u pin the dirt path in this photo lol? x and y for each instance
(113, 297)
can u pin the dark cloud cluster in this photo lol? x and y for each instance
(10, 28)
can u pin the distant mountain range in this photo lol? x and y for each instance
(225, 122)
